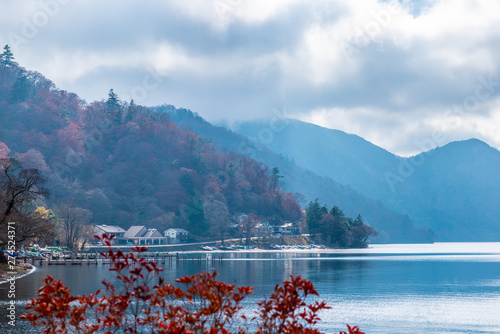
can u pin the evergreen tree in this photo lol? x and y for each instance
(7, 57)
(195, 216)
(358, 221)
(337, 212)
(314, 214)
(114, 108)
(20, 89)
(113, 102)
(275, 177)
(130, 112)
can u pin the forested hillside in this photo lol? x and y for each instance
(392, 227)
(127, 164)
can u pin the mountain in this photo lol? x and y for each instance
(346, 158)
(393, 227)
(127, 164)
(457, 189)
(454, 189)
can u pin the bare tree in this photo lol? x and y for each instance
(217, 216)
(247, 226)
(18, 186)
(73, 222)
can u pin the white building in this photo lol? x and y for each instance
(176, 235)
(110, 230)
(140, 235)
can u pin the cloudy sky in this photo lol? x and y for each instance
(407, 76)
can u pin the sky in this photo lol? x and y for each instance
(407, 76)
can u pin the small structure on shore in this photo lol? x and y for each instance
(176, 235)
(140, 235)
(117, 231)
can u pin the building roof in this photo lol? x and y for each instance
(177, 230)
(152, 233)
(110, 229)
(135, 231)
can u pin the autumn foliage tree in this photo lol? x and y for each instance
(196, 304)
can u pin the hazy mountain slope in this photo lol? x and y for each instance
(346, 158)
(453, 189)
(394, 227)
(457, 189)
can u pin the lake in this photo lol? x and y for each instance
(417, 288)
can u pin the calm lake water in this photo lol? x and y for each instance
(418, 288)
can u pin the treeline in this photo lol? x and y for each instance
(127, 164)
(333, 228)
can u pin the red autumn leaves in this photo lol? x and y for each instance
(203, 305)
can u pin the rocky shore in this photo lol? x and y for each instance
(20, 270)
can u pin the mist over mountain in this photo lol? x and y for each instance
(454, 189)
(392, 226)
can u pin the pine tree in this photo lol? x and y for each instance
(114, 108)
(130, 113)
(21, 89)
(314, 214)
(7, 57)
(275, 179)
(113, 101)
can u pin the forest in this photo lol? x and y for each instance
(127, 164)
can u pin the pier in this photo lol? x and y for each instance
(86, 258)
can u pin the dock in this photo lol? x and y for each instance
(86, 258)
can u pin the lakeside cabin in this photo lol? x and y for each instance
(176, 235)
(117, 231)
(141, 235)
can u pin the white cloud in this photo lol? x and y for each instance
(386, 73)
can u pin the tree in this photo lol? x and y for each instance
(29, 227)
(358, 221)
(314, 213)
(21, 89)
(337, 212)
(275, 179)
(195, 216)
(360, 235)
(112, 102)
(217, 216)
(335, 230)
(131, 111)
(114, 109)
(73, 221)
(7, 57)
(18, 186)
(247, 226)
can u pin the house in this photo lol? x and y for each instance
(117, 231)
(176, 235)
(141, 235)
(263, 229)
(288, 229)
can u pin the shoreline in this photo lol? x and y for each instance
(26, 269)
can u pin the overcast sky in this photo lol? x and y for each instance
(407, 76)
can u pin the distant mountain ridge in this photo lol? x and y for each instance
(346, 158)
(454, 189)
(393, 227)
